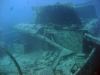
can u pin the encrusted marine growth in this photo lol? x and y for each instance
(59, 14)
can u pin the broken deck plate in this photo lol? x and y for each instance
(28, 28)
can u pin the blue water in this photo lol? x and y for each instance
(22, 11)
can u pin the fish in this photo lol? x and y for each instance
(11, 8)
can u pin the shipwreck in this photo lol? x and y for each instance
(58, 42)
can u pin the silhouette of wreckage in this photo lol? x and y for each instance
(53, 25)
(58, 14)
